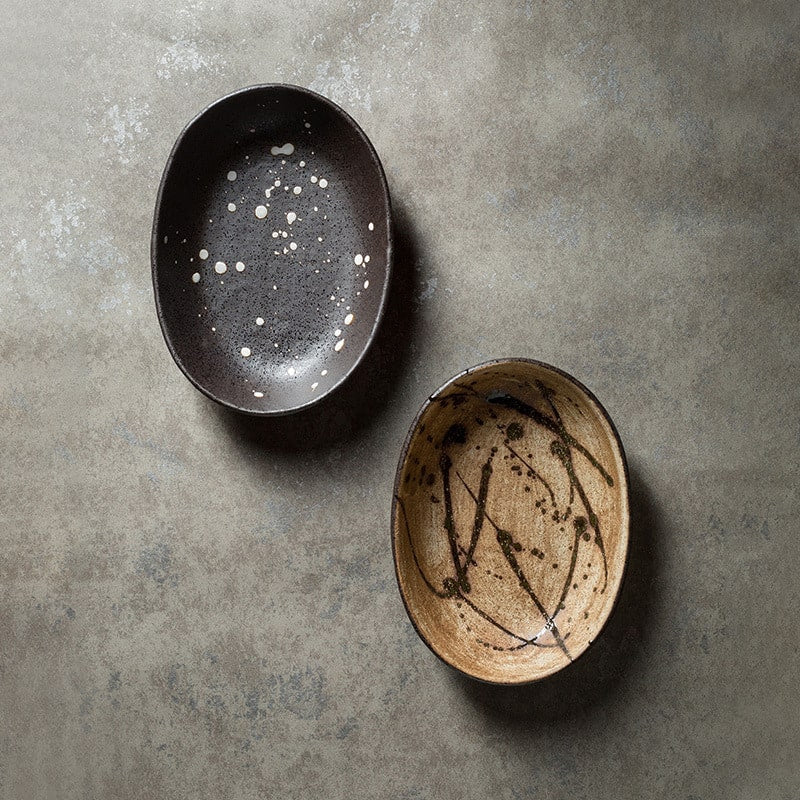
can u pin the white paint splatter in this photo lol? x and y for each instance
(232, 175)
(359, 259)
(323, 183)
(286, 150)
(430, 288)
(196, 277)
(406, 17)
(245, 352)
(239, 266)
(184, 55)
(220, 267)
(231, 206)
(291, 217)
(203, 254)
(121, 128)
(261, 212)
(342, 82)
(339, 345)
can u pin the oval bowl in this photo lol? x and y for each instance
(510, 521)
(271, 249)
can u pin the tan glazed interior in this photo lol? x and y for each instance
(510, 521)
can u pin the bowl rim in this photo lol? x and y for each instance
(389, 269)
(626, 521)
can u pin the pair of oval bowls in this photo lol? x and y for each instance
(271, 258)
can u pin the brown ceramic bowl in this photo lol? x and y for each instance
(510, 521)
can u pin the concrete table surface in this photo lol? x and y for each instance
(192, 605)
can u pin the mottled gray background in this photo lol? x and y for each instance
(193, 606)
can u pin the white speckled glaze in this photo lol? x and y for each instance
(296, 259)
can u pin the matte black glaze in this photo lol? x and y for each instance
(207, 323)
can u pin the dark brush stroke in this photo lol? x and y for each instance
(445, 464)
(535, 473)
(480, 511)
(579, 524)
(414, 552)
(509, 401)
(562, 452)
(505, 539)
(453, 591)
(525, 642)
(548, 393)
(506, 542)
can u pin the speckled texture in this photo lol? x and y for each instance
(192, 605)
(293, 319)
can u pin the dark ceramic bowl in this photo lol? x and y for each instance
(271, 249)
(510, 521)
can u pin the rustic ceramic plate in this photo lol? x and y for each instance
(510, 521)
(271, 249)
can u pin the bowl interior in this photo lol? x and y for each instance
(271, 248)
(510, 521)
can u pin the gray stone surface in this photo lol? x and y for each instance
(192, 606)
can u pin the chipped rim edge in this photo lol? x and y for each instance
(394, 528)
(389, 270)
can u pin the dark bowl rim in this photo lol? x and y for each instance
(389, 269)
(627, 522)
